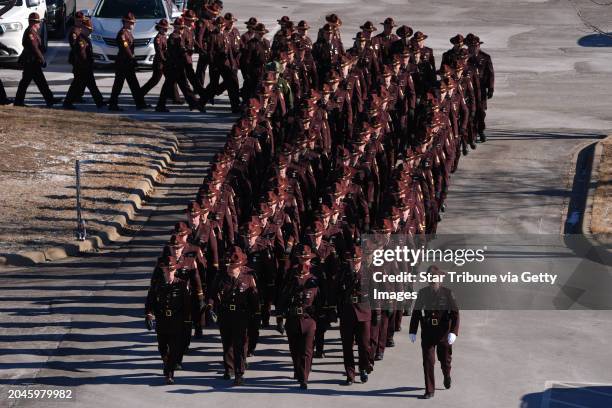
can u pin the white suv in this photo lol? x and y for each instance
(106, 18)
(14, 21)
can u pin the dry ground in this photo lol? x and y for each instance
(601, 222)
(38, 150)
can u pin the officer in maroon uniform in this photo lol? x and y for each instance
(300, 302)
(234, 296)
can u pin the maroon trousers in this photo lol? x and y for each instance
(301, 334)
(444, 352)
(378, 335)
(353, 331)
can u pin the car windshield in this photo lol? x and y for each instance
(7, 2)
(142, 9)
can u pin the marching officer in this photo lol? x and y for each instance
(160, 42)
(300, 303)
(169, 304)
(33, 61)
(125, 66)
(4, 100)
(82, 67)
(355, 316)
(234, 296)
(481, 62)
(436, 311)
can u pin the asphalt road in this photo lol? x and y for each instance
(78, 323)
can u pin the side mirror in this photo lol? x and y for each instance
(33, 3)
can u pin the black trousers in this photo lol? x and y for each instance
(230, 83)
(123, 73)
(301, 333)
(233, 328)
(84, 78)
(33, 72)
(170, 344)
(156, 76)
(3, 97)
(194, 80)
(173, 78)
(203, 63)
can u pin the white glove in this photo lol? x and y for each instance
(412, 337)
(451, 338)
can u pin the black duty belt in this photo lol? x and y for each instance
(358, 298)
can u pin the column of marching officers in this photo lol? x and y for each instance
(330, 144)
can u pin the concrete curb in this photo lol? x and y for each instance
(591, 247)
(110, 233)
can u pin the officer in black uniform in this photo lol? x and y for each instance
(169, 304)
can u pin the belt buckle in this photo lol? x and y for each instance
(434, 322)
(232, 308)
(355, 299)
(299, 311)
(168, 312)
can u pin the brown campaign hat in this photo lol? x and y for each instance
(271, 198)
(346, 60)
(368, 26)
(179, 22)
(303, 251)
(129, 17)
(264, 210)
(317, 228)
(181, 228)
(236, 257)
(251, 229)
(332, 77)
(34, 18)
(213, 9)
(174, 242)
(260, 28)
(283, 20)
(404, 31)
(472, 39)
(463, 54)
(334, 20)
(458, 39)
(303, 25)
(360, 37)
(389, 21)
(193, 208)
(219, 21)
(251, 22)
(324, 211)
(190, 15)
(445, 71)
(163, 23)
(419, 36)
(229, 17)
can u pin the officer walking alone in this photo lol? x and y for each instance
(436, 311)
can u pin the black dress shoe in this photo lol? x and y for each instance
(6, 101)
(162, 109)
(465, 151)
(447, 382)
(56, 100)
(378, 357)
(390, 343)
(142, 107)
(483, 138)
(68, 106)
(198, 333)
(427, 395)
(363, 376)
(319, 354)
(473, 146)
(239, 380)
(178, 101)
(349, 381)
(303, 386)
(250, 354)
(226, 375)
(114, 108)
